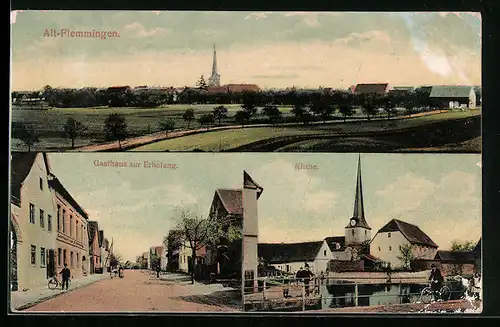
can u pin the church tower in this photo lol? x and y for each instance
(214, 79)
(357, 232)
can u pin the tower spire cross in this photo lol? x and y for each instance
(359, 210)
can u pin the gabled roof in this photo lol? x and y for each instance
(370, 257)
(288, 252)
(231, 200)
(450, 91)
(371, 88)
(118, 88)
(248, 182)
(92, 226)
(412, 233)
(359, 208)
(101, 238)
(20, 165)
(159, 250)
(453, 256)
(60, 189)
(236, 88)
(333, 241)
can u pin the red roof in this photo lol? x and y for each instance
(159, 250)
(235, 88)
(371, 88)
(231, 200)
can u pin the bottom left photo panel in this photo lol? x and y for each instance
(124, 232)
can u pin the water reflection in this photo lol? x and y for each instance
(342, 294)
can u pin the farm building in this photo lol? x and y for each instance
(372, 88)
(454, 96)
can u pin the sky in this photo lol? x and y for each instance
(271, 49)
(136, 207)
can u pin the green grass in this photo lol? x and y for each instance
(229, 139)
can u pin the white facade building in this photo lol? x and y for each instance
(32, 217)
(395, 234)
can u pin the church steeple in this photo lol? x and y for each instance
(214, 79)
(359, 210)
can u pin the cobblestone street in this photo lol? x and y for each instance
(138, 291)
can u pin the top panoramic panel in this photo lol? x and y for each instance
(246, 81)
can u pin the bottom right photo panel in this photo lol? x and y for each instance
(363, 233)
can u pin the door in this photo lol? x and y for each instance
(51, 263)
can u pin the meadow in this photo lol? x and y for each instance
(325, 137)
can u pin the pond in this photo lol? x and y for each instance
(342, 294)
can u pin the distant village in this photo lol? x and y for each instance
(213, 92)
(49, 228)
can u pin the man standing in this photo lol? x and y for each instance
(436, 279)
(66, 274)
(307, 274)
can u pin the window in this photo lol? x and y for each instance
(70, 225)
(41, 184)
(42, 222)
(324, 253)
(76, 231)
(388, 235)
(77, 259)
(63, 221)
(59, 255)
(353, 232)
(71, 259)
(366, 233)
(58, 217)
(32, 213)
(49, 223)
(379, 248)
(42, 256)
(390, 248)
(64, 256)
(33, 255)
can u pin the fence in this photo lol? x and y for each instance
(290, 292)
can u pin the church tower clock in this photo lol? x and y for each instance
(357, 232)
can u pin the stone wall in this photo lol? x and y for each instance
(341, 266)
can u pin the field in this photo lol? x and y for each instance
(449, 129)
(140, 121)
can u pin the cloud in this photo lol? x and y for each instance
(408, 192)
(140, 32)
(355, 38)
(457, 187)
(279, 76)
(309, 18)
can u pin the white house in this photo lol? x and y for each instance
(251, 193)
(33, 231)
(185, 253)
(290, 257)
(453, 96)
(386, 243)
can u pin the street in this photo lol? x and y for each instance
(139, 291)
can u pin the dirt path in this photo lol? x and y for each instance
(135, 292)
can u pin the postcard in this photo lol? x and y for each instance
(246, 81)
(245, 232)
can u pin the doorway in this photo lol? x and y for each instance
(51, 260)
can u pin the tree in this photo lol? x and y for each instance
(410, 103)
(167, 125)
(369, 107)
(300, 112)
(249, 105)
(406, 256)
(201, 84)
(272, 112)
(219, 113)
(188, 116)
(346, 102)
(206, 120)
(241, 117)
(115, 127)
(389, 102)
(322, 107)
(73, 129)
(114, 260)
(197, 232)
(467, 246)
(26, 133)
(172, 242)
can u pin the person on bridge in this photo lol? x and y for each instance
(436, 279)
(306, 275)
(66, 274)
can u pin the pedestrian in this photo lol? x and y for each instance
(307, 274)
(158, 271)
(66, 274)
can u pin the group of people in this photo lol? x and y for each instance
(304, 274)
(436, 280)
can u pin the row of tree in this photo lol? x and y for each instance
(147, 98)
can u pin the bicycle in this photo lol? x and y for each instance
(54, 283)
(428, 294)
